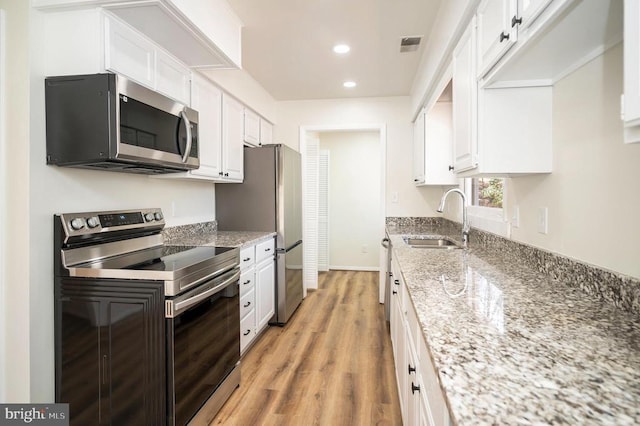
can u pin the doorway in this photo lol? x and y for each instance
(343, 167)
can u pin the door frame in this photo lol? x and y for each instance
(381, 128)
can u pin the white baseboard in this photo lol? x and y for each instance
(354, 268)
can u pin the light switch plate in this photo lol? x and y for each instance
(394, 197)
(543, 220)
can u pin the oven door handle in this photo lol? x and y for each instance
(174, 309)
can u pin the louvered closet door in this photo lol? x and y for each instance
(310, 211)
(323, 211)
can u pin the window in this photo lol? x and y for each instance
(487, 192)
(487, 204)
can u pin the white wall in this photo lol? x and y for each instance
(354, 198)
(593, 194)
(395, 113)
(16, 274)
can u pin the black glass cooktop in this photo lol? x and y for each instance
(162, 258)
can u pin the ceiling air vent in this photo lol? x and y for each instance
(410, 44)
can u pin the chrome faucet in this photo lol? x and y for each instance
(465, 221)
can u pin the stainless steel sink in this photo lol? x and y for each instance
(433, 243)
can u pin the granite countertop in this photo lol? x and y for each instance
(511, 345)
(206, 235)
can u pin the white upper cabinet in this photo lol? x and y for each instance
(200, 33)
(251, 127)
(495, 33)
(527, 12)
(497, 132)
(232, 139)
(266, 132)
(128, 53)
(631, 104)
(207, 100)
(418, 148)
(554, 38)
(465, 107)
(438, 145)
(91, 41)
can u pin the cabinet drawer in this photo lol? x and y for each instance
(247, 303)
(247, 330)
(247, 281)
(265, 250)
(247, 257)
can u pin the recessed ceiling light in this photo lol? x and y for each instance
(341, 48)
(349, 84)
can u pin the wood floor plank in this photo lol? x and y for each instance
(332, 364)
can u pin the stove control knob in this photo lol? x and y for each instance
(92, 222)
(77, 223)
(149, 217)
(158, 216)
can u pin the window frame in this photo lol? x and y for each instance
(490, 219)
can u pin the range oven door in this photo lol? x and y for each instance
(203, 344)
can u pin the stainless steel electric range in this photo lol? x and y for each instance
(146, 333)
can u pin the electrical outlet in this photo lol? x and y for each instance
(543, 220)
(365, 249)
(173, 209)
(515, 217)
(394, 197)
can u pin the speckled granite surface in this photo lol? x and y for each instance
(514, 345)
(205, 234)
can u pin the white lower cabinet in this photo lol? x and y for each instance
(421, 399)
(257, 290)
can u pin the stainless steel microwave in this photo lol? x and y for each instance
(106, 122)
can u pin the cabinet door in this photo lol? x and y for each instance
(418, 148)
(465, 106)
(128, 53)
(110, 361)
(438, 139)
(265, 293)
(413, 385)
(232, 139)
(251, 127)
(207, 100)
(632, 69)
(528, 11)
(495, 33)
(266, 132)
(173, 78)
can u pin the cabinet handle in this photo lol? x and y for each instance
(246, 333)
(395, 292)
(411, 369)
(220, 173)
(267, 249)
(246, 259)
(503, 37)
(396, 282)
(414, 388)
(227, 174)
(246, 282)
(451, 168)
(247, 304)
(416, 180)
(390, 273)
(516, 21)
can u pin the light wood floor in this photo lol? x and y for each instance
(332, 364)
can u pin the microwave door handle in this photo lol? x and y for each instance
(187, 125)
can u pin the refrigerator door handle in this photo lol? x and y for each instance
(291, 247)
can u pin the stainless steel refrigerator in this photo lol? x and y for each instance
(270, 199)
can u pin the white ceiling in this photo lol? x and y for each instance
(287, 45)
